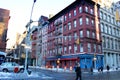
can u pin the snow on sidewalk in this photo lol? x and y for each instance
(14, 76)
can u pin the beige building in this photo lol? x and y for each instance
(4, 18)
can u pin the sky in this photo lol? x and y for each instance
(20, 11)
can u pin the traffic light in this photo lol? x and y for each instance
(77, 41)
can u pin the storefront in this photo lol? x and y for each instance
(85, 60)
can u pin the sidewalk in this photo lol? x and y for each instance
(72, 70)
(105, 70)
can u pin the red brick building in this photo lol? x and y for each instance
(4, 18)
(74, 35)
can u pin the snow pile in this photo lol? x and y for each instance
(14, 76)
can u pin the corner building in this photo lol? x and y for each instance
(74, 36)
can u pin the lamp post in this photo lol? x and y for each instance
(26, 56)
(94, 59)
(27, 39)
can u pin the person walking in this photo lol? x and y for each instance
(108, 68)
(78, 72)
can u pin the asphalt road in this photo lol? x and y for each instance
(42, 74)
(52, 75)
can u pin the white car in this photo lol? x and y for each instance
(10, 66)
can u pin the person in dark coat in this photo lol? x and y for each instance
(101, 68)
(108, 68)
(78, 72)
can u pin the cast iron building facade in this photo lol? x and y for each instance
(74, 35)
(110, 32)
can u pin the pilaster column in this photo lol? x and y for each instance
(114, 59)
(106, 58)
(118, 60)
(111, 60)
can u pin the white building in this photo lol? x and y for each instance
(110, 32)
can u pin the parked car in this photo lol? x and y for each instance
(10, 67)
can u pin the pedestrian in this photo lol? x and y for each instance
(78, 72)
(91, 69)
(101, 68)
(108, 68)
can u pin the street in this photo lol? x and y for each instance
(114, 75)
(43, 74)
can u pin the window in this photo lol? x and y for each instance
(69, 26)
(94, 47)
(69, 37)
(75, 35)
(99, 48)
(80, 9)
(87, 20)
(75, 48)
(105, 16)
(116, 44)
(69, 15)
(106, 28)
(91, 11)
(74, 12)
(102, 27)
(113, 31)
(81, 47)
(93, 35)
(112, 41)
(108, 18)
(109, 30)
(86, 9)
(104, 42)
(92, 22)
(65, 28)
(112, 20)
(81, 34)
(80, 20)
(108, 42)
(75, 23)
(88, 33)
(70, 49)
(65, 18)
(101, 15)
(65, 50)
(117, 32)
(65, 38)
(89, 47)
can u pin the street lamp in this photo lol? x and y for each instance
(26, 56)
(28, 30)
(94, 59)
